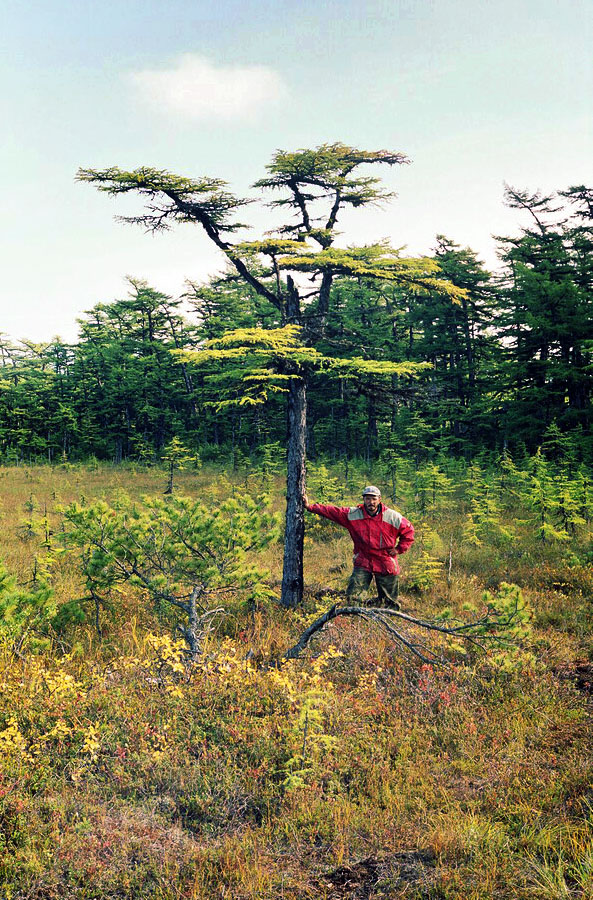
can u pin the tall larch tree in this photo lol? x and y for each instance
(293, 268)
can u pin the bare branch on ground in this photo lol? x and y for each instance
(479, 632)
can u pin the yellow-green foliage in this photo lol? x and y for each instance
(420, 275)
(172, 550)
(425, 567)
(125, 774)
(259, 362)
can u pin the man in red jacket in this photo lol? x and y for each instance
(380, 534)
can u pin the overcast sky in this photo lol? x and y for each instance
(475, 93)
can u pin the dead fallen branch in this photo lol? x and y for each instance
(405, 629)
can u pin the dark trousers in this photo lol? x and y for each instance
(387, 586)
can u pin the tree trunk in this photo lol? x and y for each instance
(190, 631)
(292, 573)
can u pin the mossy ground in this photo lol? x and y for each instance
(351, 772)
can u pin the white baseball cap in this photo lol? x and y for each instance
(371, 489)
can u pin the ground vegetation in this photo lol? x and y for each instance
(351, 771)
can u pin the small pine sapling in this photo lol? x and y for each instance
(545, 500)
(390, 467)
(432, 488)
(424, 569)
(272, 460)
(177, 456)
(485, 520)
(24, 611)
(182, 554)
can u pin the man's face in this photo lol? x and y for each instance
(371, 503)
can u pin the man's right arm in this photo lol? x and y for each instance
(337, 514)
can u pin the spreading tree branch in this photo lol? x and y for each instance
(478, 632)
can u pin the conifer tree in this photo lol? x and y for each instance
(316, 186)
(182, 554)
(432, 487)
(547, 320)
(177, 457)
(485, 521)
(545, 500)
(24, 610)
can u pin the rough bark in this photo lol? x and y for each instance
(292, 574)
(292, 571)
(191, 631)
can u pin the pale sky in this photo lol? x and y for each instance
(475, 93)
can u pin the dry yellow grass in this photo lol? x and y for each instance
(348, 773)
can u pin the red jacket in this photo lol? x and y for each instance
(377, 539)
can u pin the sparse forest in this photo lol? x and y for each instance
(426, 355)
(188, 709)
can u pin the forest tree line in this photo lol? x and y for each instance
(507, 356)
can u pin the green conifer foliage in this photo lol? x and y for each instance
(185, 556)
(26, 613)
(432, 488)
(547, 319)
(425, 568)
(485, 521)
(545, 500)
(177, 456)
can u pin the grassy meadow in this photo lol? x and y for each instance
(354, 771)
